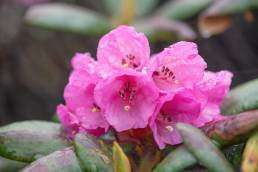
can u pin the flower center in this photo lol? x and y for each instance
(166, 119)
(164, 73)
(127, 94)
(95, 108)
(129, 61)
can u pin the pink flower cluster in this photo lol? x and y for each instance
(126, 89)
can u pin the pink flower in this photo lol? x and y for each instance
(80, 102)
(179, 65)
(215, 87)
(72, 124)
(197, 106)
(132, 94)
(129, 99)
(68, 120)
(182, 106)
(123, 48)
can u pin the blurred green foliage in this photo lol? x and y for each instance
(159, 22)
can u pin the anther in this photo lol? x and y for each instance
(95, 109)
(169, 128)
(127, 108)
(125, 65)
(176, 81)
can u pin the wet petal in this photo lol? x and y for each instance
(123, 48)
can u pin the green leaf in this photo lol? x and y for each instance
(63, 17)
(242, 98)
(7, 165)
(29, 140)
(234, 154)
(176, 161)
(143, 7)
(160, 28)
(203, 149)
(182, 9)
(59, 161)
(91, 157)
(121, 162)
(233, 129)
(250, 156)
(55, 118)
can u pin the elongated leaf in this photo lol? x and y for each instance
(182, 9)
(242, 98)
(121, 162)
(176, 161)
(7, 165)
(142, 7)
(250, 156)
(91, 157)
(63, 17)
(29, 140)
(233, 129)
(217, 18)
(160, 28)
(203, 149)
(59, 161)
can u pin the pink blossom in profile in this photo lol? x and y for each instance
(123, 48)
(68, 120)
(79, 98)
(196, 106)
(177, 66)
(182, 106)
(215, 86)
(72, 125)
(128, 98)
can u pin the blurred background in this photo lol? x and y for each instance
(39, 37)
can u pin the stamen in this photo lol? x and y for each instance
(127, 108)
(169, 128)
(125, 65)
(129, 61)
(95, 108)
(165, 73)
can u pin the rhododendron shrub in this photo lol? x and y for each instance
(126, 89)
(126, 111)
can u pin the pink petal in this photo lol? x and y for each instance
(84, 62)
(120, 45)
(181, 106)
(79, 91)
(107, 95)
(91, 120)
(68, 120)
(215, 87)
(179, 65)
